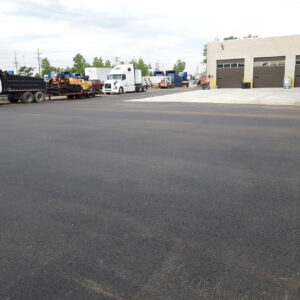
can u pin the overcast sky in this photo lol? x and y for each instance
(156, 30)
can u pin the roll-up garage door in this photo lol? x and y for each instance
(297, 72)
(230, 73)
(268, 72)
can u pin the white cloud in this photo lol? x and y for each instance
(155, 30)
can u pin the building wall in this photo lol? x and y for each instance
(288, 46)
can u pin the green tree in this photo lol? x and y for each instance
(68, 69)
(204, 53)
(230, 38)
(25, 71)
(140, 64)
(79, 64)
(179, 66)
(45, 66)
(37, 75)
(107, 64)
(98, 62)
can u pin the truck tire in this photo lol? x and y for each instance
(121, 90)
(13, 98)
(144, 88)
(27, 97)
(39, 97)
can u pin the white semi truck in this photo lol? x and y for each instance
(124, 79)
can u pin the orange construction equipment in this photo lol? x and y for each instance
(166, 83)
(204, 82)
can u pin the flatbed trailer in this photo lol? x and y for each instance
(72, 95)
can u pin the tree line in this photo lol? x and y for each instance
(80, 63)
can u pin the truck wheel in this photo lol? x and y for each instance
(39, 97)
(144, 89)
(121, 90)
(13, 98)
(27, 97)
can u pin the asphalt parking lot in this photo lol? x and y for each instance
(108, 199)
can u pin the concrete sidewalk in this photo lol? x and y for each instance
(269, 96)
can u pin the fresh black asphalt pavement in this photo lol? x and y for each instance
(108, 199)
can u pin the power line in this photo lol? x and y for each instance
(116, 58)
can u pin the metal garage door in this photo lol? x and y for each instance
(268, 72)
(297, 72)
(230, 73)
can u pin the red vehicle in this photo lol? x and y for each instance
(97, 85)
(204, 82)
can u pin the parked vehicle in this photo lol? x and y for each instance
(24, 88)
(204, 82)
(97, 76)
(124, 79)
(166, 83)
(175, 78)
(70, 85)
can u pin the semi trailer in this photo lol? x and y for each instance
(97, 73)
(124, 79)
(24, 88)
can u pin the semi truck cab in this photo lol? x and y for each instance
(123, 79)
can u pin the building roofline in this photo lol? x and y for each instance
(256, 38)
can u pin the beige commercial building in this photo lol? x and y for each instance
(258, 62)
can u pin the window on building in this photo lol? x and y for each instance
(220, 66)
(226, 65)
(273, 63)
(241, 65)
(234, 65)
(257, 64)
(298, 62)
(281, 63)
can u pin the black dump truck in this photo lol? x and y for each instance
(26, 89)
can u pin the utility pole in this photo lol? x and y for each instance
(16, 63)
(116, 58)
(157, 66)
(39, 59)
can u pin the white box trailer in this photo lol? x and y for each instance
(97, 73)
(124, 79)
